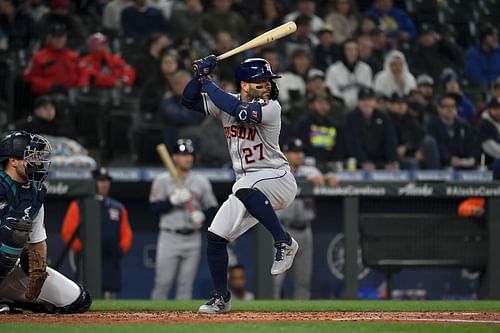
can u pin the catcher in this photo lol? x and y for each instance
(26, 283)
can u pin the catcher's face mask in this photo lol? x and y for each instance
(36, 156)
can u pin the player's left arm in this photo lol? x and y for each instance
(191, 96)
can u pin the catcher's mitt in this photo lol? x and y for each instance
(34, 265)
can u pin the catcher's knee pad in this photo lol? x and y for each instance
(82, 304)
(14, 235)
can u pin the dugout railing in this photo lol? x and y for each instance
(392, 242)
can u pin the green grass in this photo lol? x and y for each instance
(255, 328)
(301, 306)
(286, 327)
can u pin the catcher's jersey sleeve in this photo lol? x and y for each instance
(38, 232)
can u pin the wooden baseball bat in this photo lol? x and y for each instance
(169, 165)
(267, 37)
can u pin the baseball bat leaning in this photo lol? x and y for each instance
(267, 37)
(169, 165)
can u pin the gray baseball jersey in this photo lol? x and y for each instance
(252, 147)
(178, 255)
(258, 163)
(201, 193)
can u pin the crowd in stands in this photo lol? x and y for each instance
(392, 84)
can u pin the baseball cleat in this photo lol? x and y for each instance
(283, 259)
(216, 304)
(4, 308)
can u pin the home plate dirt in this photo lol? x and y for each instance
(124, 318)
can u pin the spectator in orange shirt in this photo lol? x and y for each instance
(116, 234)
(103, 69)
(54, 68)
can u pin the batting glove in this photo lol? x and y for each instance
(180, 196)
(203, 67)
(197, 217)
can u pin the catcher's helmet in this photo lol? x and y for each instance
(184, 146)
(33, 148)
(253, 69)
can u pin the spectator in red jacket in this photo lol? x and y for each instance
(54, 68)
(103, 69)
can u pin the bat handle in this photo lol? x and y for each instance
(189, 206)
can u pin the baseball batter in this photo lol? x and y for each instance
(252, 124)
(182, 212)
(25, 281)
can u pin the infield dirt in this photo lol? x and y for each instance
(124, 318)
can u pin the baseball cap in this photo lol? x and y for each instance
(366, 92)
(486, 30)
(494, 103)
(425, 80)
(57, 30)
(317, 96)
(426, 28)
(59, 4)
(101, 174)
(314, 73)
(303, 19)
(397, 98)
(96, 39)
(293, 144)
(42, 100)
(183, 146)
(326, 28)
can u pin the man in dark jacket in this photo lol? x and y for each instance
(371, 135)
(415, 148)
(456, 139)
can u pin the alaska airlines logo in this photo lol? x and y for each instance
(415, 190)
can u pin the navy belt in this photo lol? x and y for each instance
(184, 232)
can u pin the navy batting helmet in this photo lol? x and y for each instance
(184, 146)
(33, 148)
(253, 69)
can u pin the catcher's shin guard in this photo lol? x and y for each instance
(14, 235)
